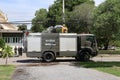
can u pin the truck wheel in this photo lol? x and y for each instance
(48, 56)
(85, 56)
(77, 58)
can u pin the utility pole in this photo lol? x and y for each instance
(63, 11)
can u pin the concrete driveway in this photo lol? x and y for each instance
(62, 69)
(59, 71)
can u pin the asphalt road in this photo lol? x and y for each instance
(23, 60)
(61, 69)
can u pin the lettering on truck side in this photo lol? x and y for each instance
(50, 42)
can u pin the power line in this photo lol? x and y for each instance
(22, 22)
(17, 22)
(37, 22)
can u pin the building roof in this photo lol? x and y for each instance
(4, 25)
(10, 31)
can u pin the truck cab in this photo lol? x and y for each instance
(86, 47)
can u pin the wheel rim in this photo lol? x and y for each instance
(48, 56)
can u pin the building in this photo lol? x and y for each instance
(9, 32)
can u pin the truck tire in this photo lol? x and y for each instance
(85, 56)
(48, 57)
(77, 58)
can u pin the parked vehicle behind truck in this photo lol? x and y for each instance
(49, 46)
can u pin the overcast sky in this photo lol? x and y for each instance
(21, 10)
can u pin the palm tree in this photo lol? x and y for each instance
(7, 52)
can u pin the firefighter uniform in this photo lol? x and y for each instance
(64, 29)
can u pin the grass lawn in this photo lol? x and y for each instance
(108, 67)
(109, 52)
(6, 72)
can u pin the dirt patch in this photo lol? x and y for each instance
(20, 72)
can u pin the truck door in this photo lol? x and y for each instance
(91, 41)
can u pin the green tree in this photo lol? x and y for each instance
(81, 18)
(2, 43)
(55, 13)
(107, 21)
(54, 16)
(39, 22)
(7, 51)
(22, 27)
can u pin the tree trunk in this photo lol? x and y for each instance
(6, 60)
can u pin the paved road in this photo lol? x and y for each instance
(23, 60)
(62, 69)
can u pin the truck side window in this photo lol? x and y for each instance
(90, 39)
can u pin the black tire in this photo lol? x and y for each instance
(85, 56)
(48, 57)
(78, 57)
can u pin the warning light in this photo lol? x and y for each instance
(27, 33)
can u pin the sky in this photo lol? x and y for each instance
(24, 10)
(20, 10)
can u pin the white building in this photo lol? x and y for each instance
(9, 32)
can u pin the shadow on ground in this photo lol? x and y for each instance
(73, 62)
(40, 61)
(37, 62)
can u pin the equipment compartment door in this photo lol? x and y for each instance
(68, 44)
(50, 42)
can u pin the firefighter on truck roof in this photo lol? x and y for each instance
(64, 29)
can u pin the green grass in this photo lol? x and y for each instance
(108, 67)
(6, 72)
(109, 52)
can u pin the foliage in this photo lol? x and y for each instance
(6, 72)
(54, 16)
(22, 27)
(39, 22)
(115, 43)
(81, 18)
(112, 52)
(107, 21)
(7, 52)
(2, 43)
(72, 3)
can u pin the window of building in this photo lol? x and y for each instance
(12, 37)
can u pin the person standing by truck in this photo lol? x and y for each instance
(15, 50)
(20, 51)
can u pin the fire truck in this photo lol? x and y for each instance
(49, 46)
